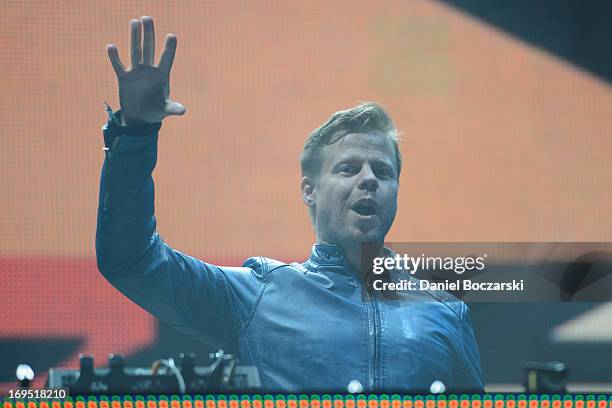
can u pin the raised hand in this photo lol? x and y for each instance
(144, 89)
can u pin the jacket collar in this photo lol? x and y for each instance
(328, 258)
(333, 258)
(328, 254)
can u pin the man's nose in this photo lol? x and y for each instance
(368, 180)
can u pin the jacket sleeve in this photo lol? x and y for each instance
(468, 373)
(206, 301)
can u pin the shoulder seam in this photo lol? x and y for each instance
(264, 277)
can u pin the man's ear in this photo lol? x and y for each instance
(308, 192)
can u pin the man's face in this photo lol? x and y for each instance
(355, 195)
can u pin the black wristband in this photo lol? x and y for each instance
(114, 128)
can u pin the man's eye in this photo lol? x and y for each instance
(348, 169)
(385, 172)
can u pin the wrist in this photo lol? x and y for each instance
(133, 122)
(117, 125)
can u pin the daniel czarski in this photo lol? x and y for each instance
(414, 284)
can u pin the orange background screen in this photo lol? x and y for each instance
(502, 141)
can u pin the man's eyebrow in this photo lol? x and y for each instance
(344, 161)
(384, 162)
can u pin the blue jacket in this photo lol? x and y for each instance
(305, 326)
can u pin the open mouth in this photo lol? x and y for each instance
(365, 209)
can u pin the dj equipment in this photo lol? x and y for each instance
(163, 377)
(544, 377)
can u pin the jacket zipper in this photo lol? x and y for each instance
(373, 341)
(377, 344)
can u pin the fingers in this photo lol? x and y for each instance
(136, 53)
(113, 54)
(174, 108)
(167, 58)
(148, 53)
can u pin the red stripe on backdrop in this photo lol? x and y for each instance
(67, 297)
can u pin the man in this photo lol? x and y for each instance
(306, 327)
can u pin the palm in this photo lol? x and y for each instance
(143, 92)
(144, 89)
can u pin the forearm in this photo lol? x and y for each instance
(126, 221)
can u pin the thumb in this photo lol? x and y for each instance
(174, 108)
